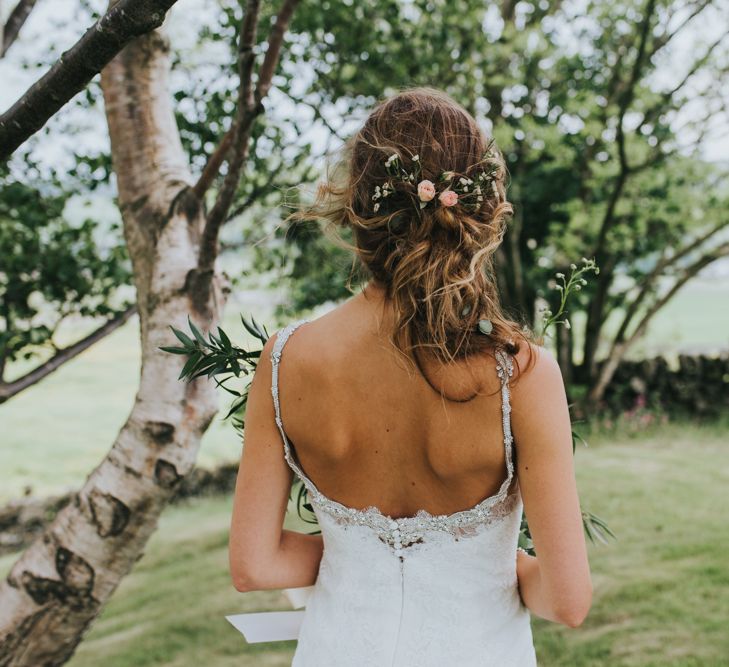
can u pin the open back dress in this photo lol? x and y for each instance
(418, 591)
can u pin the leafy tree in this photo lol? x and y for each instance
(602, 163)
(50, 271)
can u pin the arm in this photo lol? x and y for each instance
(261, 554)
(555, 584)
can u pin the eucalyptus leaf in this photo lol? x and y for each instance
(485, 326)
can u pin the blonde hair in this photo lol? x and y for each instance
(435, 263)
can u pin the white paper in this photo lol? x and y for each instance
(268, 626)
(298, 597)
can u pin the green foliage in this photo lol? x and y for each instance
(219, 359)
(574, 283)
(50, 268)
(551, 83)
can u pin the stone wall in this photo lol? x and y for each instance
(699, 387)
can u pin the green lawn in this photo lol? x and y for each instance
(661, 591)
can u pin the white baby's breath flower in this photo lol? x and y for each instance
(376, 207)
(416, 158)
(559, 275)
(573, 266)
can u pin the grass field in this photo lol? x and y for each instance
(661, 591)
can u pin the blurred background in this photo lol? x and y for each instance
(613, 120)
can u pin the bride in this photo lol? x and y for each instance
(421, 421)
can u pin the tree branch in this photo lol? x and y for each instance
(648, 281)
(250, 106)
(253, 195)
(10, 389)
(602, 258)
(273, 52)
(688, 273)
(662, 40)
(666, 97)
(212, 167)
(316, 110)
(245, 115)
(15, 22)
(76, 67)
(611, 363)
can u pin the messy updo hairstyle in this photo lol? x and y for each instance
(434, 263)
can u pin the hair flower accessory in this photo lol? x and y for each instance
(448, 198)
(426, 192)
(468, 190)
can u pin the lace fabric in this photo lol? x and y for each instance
(417, 590)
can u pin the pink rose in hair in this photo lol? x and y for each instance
(448, 198)
(426, 190)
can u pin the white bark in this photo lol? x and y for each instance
(58, 586)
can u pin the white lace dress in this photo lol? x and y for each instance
(420, 591)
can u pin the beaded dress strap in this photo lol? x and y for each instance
(505, 369)
(278, 345)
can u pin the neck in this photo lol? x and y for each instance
(374, 294)
(375, 290)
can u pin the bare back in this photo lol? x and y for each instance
(370, 431)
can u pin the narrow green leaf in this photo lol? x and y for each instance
(182, 337)
(174, 350)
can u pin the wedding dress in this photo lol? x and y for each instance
(418, 591)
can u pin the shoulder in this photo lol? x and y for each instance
(280, 339)
(535, 370)
(268, 346)
(281, 335)
(540, 410)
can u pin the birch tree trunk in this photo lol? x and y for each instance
(58, 586)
